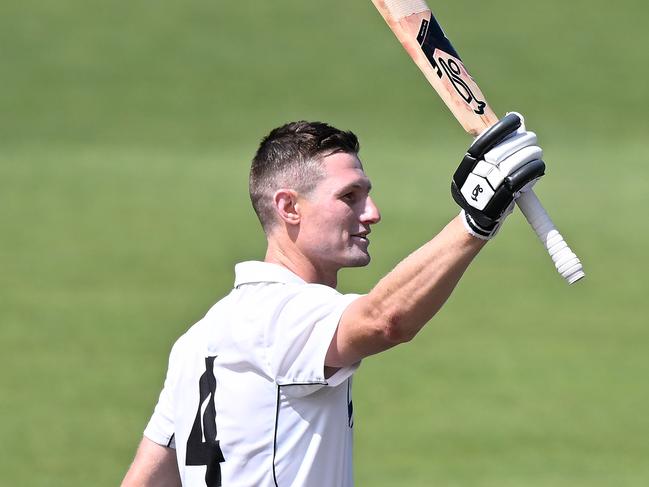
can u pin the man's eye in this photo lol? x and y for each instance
(349, 196)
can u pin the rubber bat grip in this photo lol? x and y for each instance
(565, 260)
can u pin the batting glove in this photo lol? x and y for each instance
(502, 162)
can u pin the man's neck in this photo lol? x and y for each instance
(291, 258)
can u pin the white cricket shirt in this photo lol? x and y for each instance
(245, 401)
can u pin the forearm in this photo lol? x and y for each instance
(405, 299)
(410, 295)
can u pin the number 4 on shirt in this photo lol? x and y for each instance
(202, 446)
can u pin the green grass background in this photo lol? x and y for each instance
(126, 130)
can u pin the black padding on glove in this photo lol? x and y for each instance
(491, 213)
(524, 174)
(494, 136)
(465, 168)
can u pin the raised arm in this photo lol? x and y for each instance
(498, 166)
(405, 299)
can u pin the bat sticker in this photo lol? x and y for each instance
(446, 61)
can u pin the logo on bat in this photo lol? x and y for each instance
(446, 61)
(454, 74)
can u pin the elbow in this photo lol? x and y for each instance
(394, 329)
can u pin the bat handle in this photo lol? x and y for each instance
(565, 260)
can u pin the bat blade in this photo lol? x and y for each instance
(420, 34)
(422, 37)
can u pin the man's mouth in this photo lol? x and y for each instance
(362, 236)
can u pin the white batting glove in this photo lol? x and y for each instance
(502, 162)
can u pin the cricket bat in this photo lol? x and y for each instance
(416, 28)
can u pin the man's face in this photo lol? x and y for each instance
(336, 216)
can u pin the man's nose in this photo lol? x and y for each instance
(371, 213)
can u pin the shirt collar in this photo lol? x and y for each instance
(255, 271)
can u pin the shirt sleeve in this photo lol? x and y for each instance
(300, 334)
(160, 428)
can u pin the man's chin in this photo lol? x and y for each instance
(358, 261)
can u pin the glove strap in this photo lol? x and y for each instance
(476, 230)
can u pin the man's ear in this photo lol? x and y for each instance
(286, 206)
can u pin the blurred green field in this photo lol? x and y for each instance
(126, 131)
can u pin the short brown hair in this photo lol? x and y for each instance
(290, 156)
